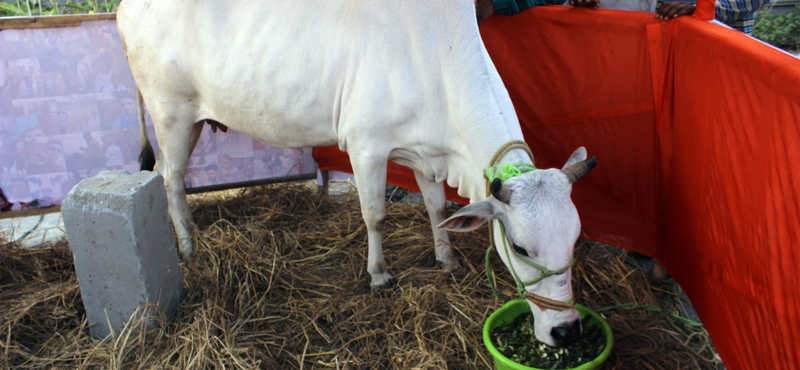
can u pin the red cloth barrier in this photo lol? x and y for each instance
(705, 10)
(331, 158)
(730, 204)
(695, 128)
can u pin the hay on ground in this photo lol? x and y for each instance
(279, 281)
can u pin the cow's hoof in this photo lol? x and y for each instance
(186, 248)
(387, 283)
(453, 264)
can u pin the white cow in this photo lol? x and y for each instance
(404, 80)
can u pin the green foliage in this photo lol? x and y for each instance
(781, 30)
(52, 7)
(8, 10)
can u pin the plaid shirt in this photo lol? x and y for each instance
(739, 14)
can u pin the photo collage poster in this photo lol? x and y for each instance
(68, 111)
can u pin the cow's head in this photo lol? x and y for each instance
(541, 225)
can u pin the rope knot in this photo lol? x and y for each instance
(507, 171)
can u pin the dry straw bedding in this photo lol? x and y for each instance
(279, 281)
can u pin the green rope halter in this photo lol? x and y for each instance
(505, 172)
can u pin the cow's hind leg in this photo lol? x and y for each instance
(370, 174)
(175, 136)
(435, 201)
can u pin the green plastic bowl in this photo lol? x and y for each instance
(511, 310)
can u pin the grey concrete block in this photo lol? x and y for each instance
(124, 248)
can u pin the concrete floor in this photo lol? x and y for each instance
(33, 231)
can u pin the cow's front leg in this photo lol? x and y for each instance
(435, 202)
(370, 174)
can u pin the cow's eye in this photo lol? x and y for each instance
(519, 250)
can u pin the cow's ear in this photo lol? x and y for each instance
(472, 216)
(577, 156)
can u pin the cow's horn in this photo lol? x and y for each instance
(500, 191)
(578, 170)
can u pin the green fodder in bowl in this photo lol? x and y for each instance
(517, 342)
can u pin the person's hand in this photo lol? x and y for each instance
(674, 9)
(483, 9)
(585, 3)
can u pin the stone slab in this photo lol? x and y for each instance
(124, 248)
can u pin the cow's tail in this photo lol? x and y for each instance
(147, 158)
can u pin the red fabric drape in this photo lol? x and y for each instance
(695, 128)
(704, 10)
(331, 158)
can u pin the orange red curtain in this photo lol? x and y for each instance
(704, 10)
(696, 131)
